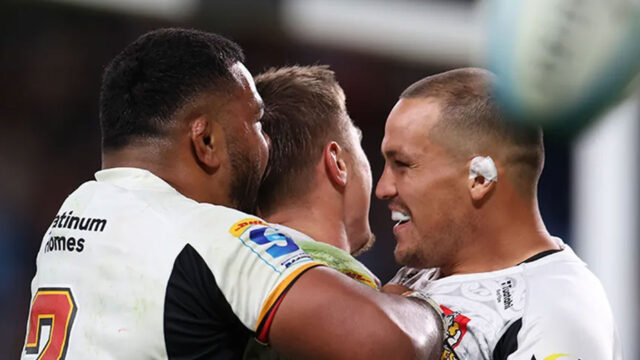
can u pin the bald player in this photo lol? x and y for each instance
(461, 182)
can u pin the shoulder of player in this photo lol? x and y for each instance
(561, 273)
(564, 299)
(180, 216)
(555, 287)
(208, 219)
(86, 189)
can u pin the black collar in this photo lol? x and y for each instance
(540, 255)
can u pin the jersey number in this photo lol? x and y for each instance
(53, 308)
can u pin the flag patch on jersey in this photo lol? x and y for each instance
(456, 328)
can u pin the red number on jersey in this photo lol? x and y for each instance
(55, 308)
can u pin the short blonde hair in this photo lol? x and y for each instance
(304, 109)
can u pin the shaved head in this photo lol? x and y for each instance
(471, 124)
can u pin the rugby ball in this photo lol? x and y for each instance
(559, 63)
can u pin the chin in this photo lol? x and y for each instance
(410, 258)
(402, 257)
(364, 245)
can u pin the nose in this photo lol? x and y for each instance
(385, 189)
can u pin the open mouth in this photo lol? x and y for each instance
(400, 217)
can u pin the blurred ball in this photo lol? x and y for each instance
(561, 62)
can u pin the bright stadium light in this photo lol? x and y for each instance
(426, 32)
(169, 9)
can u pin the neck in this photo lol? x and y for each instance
(177, 168)
(142, 155)
(503, 240)
(315, 219)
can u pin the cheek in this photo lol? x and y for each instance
(414, 194)
(265, 145)
(258, 143)
(426, 207)
(263, 155)
(359, 197)
(264, 141)
(367, 182)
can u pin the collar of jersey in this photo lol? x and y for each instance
(566, 254)
(133, 178)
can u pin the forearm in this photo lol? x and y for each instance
(327, 315)
(420, 321)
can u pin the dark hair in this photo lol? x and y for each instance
(155, 76)
(471, 122)
(304, 109)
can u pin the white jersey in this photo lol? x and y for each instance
(329, 255)
(548, 307)
(132, 269)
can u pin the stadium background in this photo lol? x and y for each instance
(52, 55)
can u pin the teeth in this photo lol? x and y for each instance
(398, 216)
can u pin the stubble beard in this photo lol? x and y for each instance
(433, 250)
(246, 174)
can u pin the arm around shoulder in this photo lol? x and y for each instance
(326, 315)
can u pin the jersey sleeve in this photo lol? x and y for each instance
(254, 265)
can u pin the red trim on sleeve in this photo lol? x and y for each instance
(263, 336)
(265, 325)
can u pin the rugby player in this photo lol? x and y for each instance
(461, 182)
(318, 185)
(151, 260)
(319, 179)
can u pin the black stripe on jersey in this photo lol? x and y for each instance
(198, 321)
(508, 343)
(540, 255)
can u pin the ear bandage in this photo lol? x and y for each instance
(485, 167)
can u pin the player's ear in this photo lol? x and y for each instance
(480, 188)
(483, 175)
(334, 163)
(207, 142)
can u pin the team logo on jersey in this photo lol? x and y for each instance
(456, 328)
(268, 243)
(241, 226)
(277, 244)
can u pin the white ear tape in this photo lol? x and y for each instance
(483, 166)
